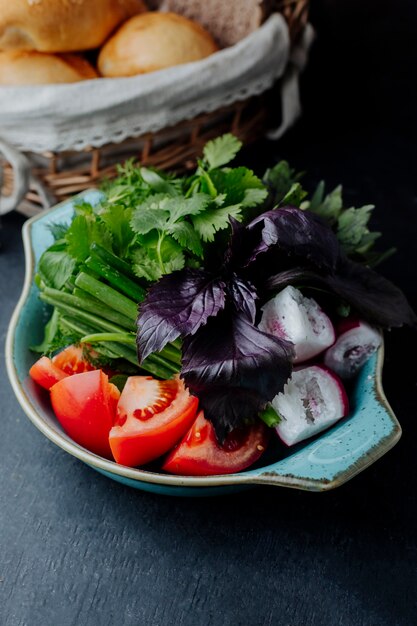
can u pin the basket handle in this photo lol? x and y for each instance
(21, 171)
(290, 90)
(290, 103)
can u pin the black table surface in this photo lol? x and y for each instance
(77, 549)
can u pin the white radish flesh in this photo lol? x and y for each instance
(290, 315)
(313, 399)
(352, 349)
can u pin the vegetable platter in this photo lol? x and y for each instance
(195, 335)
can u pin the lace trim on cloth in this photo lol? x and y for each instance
(93, 113)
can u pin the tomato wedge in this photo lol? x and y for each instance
(71, 360)
(152, 416)
(85, 406)
(200, 454)
(46, 373)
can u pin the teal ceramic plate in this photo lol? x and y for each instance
(322, 463)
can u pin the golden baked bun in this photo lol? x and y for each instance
(154, 41)
(61, 25)
(38, 68)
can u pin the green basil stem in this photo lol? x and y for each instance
(73, 325)
(177, 344)
(161, 237)
(210, 186)
(104, 311)
(95, 307)
(107, 295)
(118, 337)
(90, 305)
(170, 355)
(111, 259)
(116, 279)
(270, 416)
(155, 360)
(154, 364)
(81, 315)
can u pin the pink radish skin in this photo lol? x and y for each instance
(345, 324)
(292, 316)
(313, 399)
(353, 347)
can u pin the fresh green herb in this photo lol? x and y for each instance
(270, 416)
(279, 180)
(165, 237)
(221, 151)
(58, 230)
(350, 224)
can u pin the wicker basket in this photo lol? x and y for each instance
(56, 176)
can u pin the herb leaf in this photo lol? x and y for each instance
(234, 369)
(187, 237)
(221, 150)
(279, 180)
(212, 220)
(294, 195)
(58, 230)
(84, 230)
(298, 234)
(353, 232)
(55, 267)
(243, 295)
(371, 295)
(328, 207)
(151, 214)
(240, 186)
(157, 257)
(116, 219)
(176, 306)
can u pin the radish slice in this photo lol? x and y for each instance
(353, 348)
(313, 399)
(290, 315)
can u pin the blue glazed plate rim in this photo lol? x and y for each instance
(270, 474)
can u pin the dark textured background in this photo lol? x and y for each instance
(77, 549)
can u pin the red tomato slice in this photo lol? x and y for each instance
(46, 373)
(72, 361)
(200, 454)
(152, 416)
(85, 406)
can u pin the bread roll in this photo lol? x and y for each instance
(154, 41)
(227, 21)
(38, 68)
(61, 25)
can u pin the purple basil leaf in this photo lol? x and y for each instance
(243, 295)
(178, 304)
(234, 369)
(373, 296)
(297, 233)
(294, 276)
(241, 244)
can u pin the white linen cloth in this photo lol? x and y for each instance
(95, 112)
